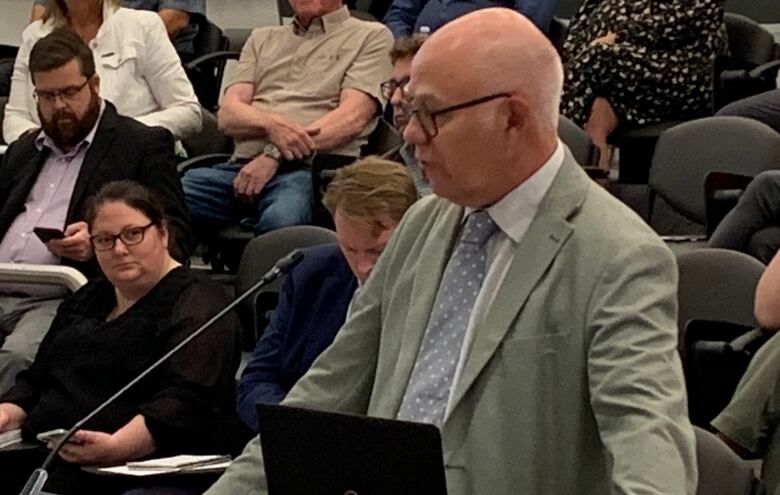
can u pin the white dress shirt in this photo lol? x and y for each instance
(513, 214)
(140, 73)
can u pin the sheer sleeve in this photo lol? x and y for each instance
(198, 382)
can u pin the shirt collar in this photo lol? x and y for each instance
(324, 23)
(514, 212)
(43, 140)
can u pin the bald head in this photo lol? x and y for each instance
(498, 50)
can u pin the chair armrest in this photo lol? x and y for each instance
(767, 70)
(750, 342)
(26, 273)
(211, 58)
(202, 161)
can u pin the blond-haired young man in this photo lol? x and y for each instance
(367, 200)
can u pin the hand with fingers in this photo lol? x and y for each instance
(75, 245)
(253, 177)
(87, 447)
(295, 142)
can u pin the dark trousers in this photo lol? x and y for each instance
(764, 107)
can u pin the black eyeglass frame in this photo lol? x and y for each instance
(67, 94)
(410, 110)
(389, 87)
(114, 237)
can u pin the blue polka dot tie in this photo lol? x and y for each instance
(428, 391)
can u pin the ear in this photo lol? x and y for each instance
(94, 83)
(518, 112)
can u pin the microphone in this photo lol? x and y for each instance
(38, 478)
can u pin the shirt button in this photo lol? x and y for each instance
(24, 234)
(51, 186)
(37, 210)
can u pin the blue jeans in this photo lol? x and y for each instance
(284, 201)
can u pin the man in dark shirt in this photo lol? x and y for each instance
(367, 200)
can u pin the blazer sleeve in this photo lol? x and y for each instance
(179, 108)
(261, 380)
(635, 376)
(159, 173)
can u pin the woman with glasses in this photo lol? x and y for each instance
(638, 62)
(107, 333)
(139, 70)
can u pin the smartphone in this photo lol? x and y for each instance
(52, 436)
(46, 234)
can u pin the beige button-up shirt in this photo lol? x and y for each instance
(300, 73)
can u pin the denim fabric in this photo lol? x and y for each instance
(284, 201)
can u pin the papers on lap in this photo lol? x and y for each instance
(175, 464)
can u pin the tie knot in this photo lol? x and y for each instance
(478, 229)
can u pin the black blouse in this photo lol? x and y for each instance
(188, 403)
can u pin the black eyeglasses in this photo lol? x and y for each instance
(427, 118)
(130, 236)
(67, 94)
(390, 86)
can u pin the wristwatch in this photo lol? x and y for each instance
(271, 150)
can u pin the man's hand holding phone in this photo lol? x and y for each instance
(74, 244)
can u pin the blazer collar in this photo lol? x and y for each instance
(101, 144)
(548, 232)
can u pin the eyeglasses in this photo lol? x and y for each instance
(427, 118)
(129, 236)
(389, 87)
(67, 94)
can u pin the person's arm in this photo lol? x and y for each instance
(635, 376)
(261, 380)
(97, 448)
(174, 19)
(540, 12)
(237, 118)
(20, 111)
(752, 416)
(693, 21)
(767, 300)
(195, 389)
(159, 173)
(360, 99)
(38, 8)
(344, 123)
(161, 68)
(402, 15)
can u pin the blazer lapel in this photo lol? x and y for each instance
(548, 232)
(18, 185)
(101, 145)
(429, 271)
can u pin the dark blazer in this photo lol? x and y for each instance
(312, 307)
(123, 148)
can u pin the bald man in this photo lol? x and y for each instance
(523, 310)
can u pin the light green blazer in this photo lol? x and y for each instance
(572, 384)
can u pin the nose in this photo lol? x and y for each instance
(396, 97)
(364, 267)
(58, 102)
(119, 247)
(413, 133)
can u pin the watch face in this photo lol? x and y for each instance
(272, 151)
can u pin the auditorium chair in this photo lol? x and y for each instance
(717, 354)
(721, 471)
(688, 152)
(25, 273)
(579, 143)
(206, 69)
(259, 256)
(751, 65)
(716, 285)
(3, 102)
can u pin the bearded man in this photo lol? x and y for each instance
(47, 175)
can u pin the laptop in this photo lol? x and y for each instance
(309, 452)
